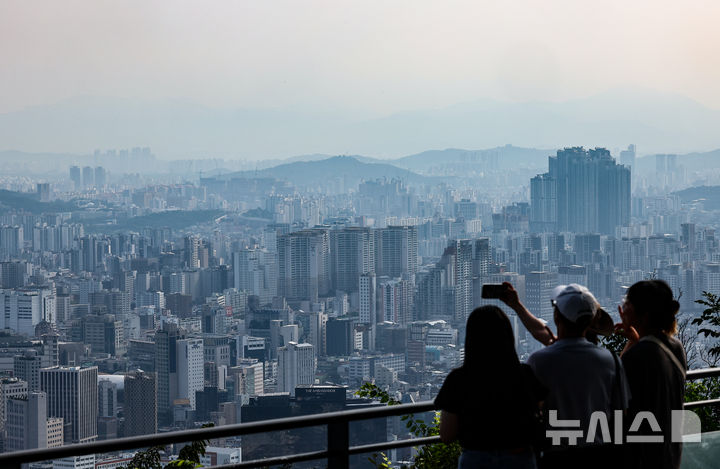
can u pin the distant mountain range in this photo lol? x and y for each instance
(656, 122)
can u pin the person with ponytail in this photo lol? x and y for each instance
(490, 403)
(655, 365)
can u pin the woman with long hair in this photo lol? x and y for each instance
(490, 403)
(655, 365)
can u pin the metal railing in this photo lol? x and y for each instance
(338, 450)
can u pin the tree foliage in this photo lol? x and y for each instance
(709, 320)
(188, 458)
(434, 456)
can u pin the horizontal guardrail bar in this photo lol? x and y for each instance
(239, 429)
(362, 449)
(161, 439)
(703, 373)
(695, 404)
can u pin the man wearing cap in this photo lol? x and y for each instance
(581, 377)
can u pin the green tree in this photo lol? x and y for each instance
(188, 458)
(434, 456)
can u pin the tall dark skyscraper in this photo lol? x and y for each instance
(141, 416)
(584, 191)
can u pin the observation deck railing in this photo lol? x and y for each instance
(338, 450)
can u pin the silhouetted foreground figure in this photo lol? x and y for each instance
(655, 364)
(583, 379)
(490, 403)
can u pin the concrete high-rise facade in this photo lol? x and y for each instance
(304, 265)
(27, 367)
(141, 411)
(166, 368)
(190, 369)
(584, 191)
(27, 424)
(396, 251)
(10, 388)
(296, 367)
(538, 293)
(353, 254)
(368, 305)
(72, 395)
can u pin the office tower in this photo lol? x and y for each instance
(538, 293)
(353, 254)
(296, 367)
(72, 395)
(304, 265)
(27, 368)
(12, 239)
(27, 424)
(340, 337)
(396, 251)
(75, 177)
(10, 388)
(88, 177)
(141, 411)
(107, 398)
(100, 177)
(23, 309)
(568, 274)
(627, 157)
(190, 369)
(166, 368)
(103, 332)
(248, 375)
(12, 274)
(591, 193)
(585, 246)
(318, 332)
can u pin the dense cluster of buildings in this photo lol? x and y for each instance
(289, 308)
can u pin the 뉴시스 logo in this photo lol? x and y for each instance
(685, 427)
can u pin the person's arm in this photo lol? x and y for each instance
(625, 329)
(537, 327)
(449, 426)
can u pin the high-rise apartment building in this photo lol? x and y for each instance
(296, 367)
(304, 265)
(367, 296)
(76, 177)
(396, 251)
(88, 177)
(584, 191)
(141, 411)
(27, 367)
(352, 255)
(72, 395)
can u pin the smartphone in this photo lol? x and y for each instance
(492, 290)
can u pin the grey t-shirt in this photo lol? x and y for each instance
(581, 378)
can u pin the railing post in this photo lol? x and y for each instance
(339, 445)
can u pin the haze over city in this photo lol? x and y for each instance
(254, 215)
(255, 80)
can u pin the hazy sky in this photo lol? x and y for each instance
(372, 56)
